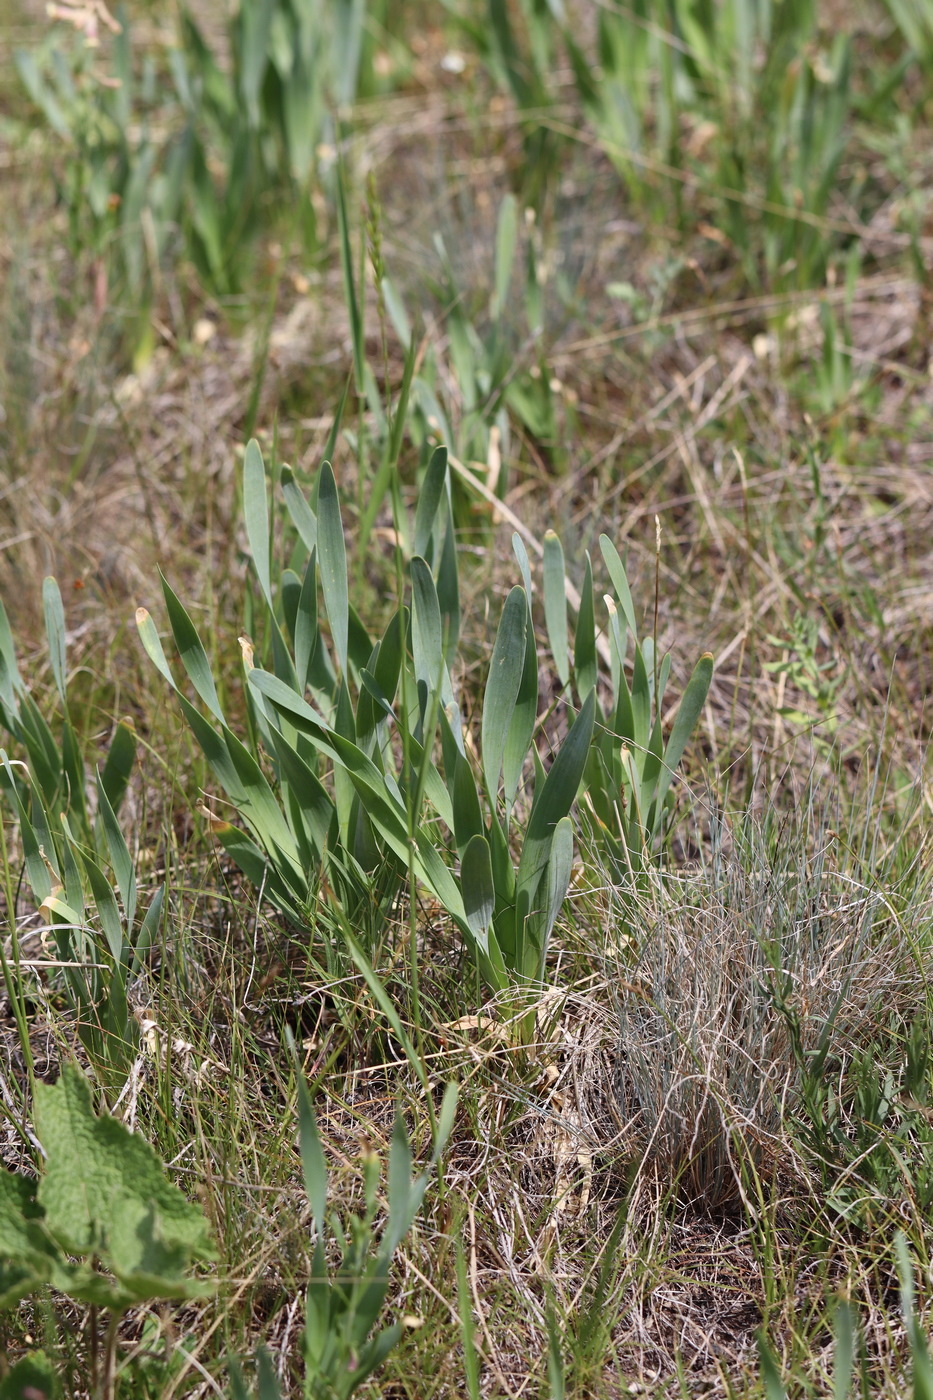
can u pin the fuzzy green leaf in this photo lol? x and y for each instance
(104, 1192)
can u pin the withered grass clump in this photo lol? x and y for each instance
(747, 970)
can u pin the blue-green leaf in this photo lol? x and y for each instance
(333, 563)
(502, 686)
(192, 653)
(55, 631)
(555, 604)
(256, 513)
(479, 891)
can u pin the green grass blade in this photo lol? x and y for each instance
(349, 284)
(471, 1364)
(844, 1357)
(313, 1166)
(387, 1007)
(333, 563)
(774, 1386)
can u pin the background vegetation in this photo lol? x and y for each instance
(478, 920)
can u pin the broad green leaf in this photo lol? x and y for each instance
(152, 644)
(28, 1257)
(555, 604)
(619, 582)
(33, 1376)
(432, 784)
(148, 930)
(118, 768)
(255, 25)
(306, 628)
(37, 872)
(8, 655)
(120, 858)
(641, 703)
(75, 778)
(427, 650)
(502, 686)
(479, 891)
(104, 1193)
(256, 514)
(245, 784)
(107, 910)
(332, 553)
(303, 517)
(448, 589)
(445, 1120)
(557, 796)
(55, 632)
(584, 638)
(522, 725)
(429, 501)
(382, 683)
(468, 817)
(774, 1386)
(688, 712)
(559, 870)
(521, 554)
(506, 240)
(192, 653)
